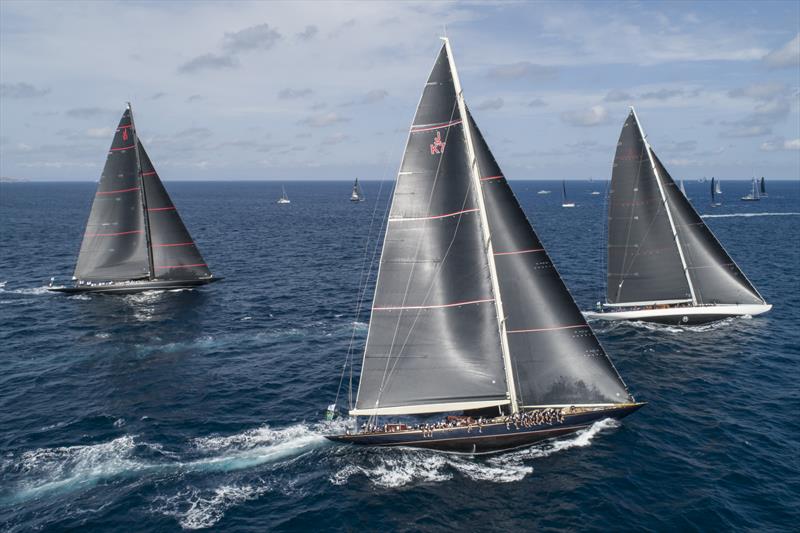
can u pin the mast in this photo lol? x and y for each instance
(476, 181)
(666, 206)
(146, 214)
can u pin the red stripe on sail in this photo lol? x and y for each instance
(417, 129)
(124, 127)
(115, 234)
(177, 244)
(435, 216)
(119, 190)
(521, 251)
(182, 266)
(161, 208)
(399, 308)
(546, 329)
(492, 178)
(151, 173)
(120, 149)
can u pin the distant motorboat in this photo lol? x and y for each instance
(595, 193)
(754, 195)
(564, 201)
(543, 192)
(284, 199)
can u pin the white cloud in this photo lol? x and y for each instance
(777, 144)
(100, 133)
(594, 116)
(493, 103)
(786, 56)
(323, 119)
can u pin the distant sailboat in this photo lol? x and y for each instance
(564, 201)
(763, 188)
(718, 186)
(664, 263)
(134, 239)
(470, 319)
(356, 195)
(753, 195)
(714, 192)
(284, 199)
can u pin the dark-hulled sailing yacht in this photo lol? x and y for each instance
(664, 264)
(474, 344)
(134, 239)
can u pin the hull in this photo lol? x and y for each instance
(683, 316)
(490, 438)
(134, 286)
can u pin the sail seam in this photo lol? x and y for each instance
(402, 219)
(536, 330)
(114, 234)
(429, 127)
(182, 266)
(161, 208)
(122, 148)
(520, 252)
(118, 191)
(438, 306)
(177, 244)
(492, 178)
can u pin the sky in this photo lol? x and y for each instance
(327, 90)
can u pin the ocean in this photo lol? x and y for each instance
(168, 411)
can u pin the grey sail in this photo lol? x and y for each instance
(715, 277)
(175, 255)
(762, 187)
(555, 356)
(433, 343)
(114, 246)
(644, 262)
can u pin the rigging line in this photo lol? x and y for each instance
(362, 285)
(416, 254)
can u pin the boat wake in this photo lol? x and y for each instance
(397, 467)
(728, 215)
(69, 468)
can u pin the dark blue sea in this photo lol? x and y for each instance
(204, 409)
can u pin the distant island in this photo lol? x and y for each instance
(7, 179)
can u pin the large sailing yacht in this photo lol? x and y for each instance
(134, 239)
(664, 264)
(474, 344)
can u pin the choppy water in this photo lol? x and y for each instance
(203, 409)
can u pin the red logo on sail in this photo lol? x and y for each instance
(125, 134)
(438, 144)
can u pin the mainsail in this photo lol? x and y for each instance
(644, 262)
(114, 246)
(659, 249)
(762, 187)
(134, 231)
(457, 244)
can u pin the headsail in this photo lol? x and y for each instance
(644, 262)
(715, 277)
(556, 358)
(175, 255)
(433, 343)
(114, 246)
(762, 187)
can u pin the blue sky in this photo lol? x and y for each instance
(319, 90)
